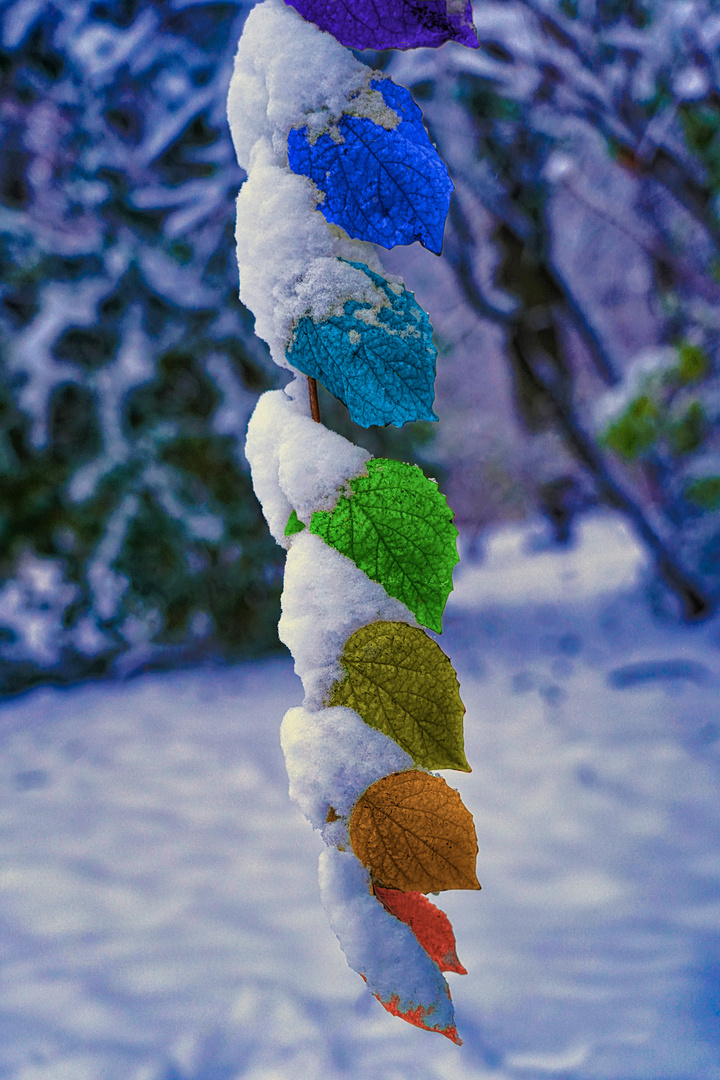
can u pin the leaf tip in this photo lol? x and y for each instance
(418, 1017)
(450, 962)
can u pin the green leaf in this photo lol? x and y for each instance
(686, 434)
(294, 524)
(401, 682)
(693, 363)
(704, 492)
(635, 430)
(397, 527)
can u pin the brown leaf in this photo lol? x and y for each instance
(414, 833)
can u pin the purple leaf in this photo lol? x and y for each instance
(392, 24)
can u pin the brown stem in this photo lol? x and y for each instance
(314, 403)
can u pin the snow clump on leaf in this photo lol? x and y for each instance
(332, 756)
(296, 464)
(289, 261)
(382, 948)
(270, 91)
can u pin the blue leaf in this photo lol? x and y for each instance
(382, 367)
(386, 186)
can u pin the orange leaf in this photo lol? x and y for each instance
(429, 924)
(414, 833)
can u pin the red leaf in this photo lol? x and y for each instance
(418, 1017)
(429, 924)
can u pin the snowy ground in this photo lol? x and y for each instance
(159, 911)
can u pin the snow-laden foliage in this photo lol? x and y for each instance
(583, 138)
(663, 423)
(371, 542)
(128, 365)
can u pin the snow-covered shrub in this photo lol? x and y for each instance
(128, 365)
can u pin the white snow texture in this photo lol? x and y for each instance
(384, 949)
(289, 258)
(290, 263)
(332, 756)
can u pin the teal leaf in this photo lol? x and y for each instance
(378, 362)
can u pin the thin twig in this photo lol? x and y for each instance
(314, 403)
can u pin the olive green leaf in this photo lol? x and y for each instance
(693, 364)
(401, 682)
(704, 492)
(397, 527)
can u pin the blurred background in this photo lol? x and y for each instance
(576, 309)
(159, 908)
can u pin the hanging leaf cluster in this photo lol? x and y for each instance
(409, 829)
(404, 830)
